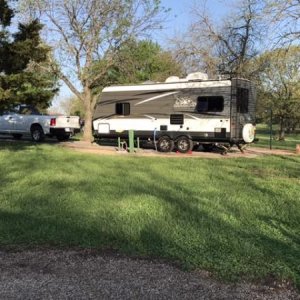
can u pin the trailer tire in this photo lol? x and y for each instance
(248, 133)
(184, 144)
(165, 144)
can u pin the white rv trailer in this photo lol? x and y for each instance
(179, 112)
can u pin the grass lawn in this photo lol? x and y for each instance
(263, 134)
(239, 218)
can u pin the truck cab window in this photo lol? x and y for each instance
(25, 111)
(242, 100)
(123, 109)
(210, 104)
(28, 110)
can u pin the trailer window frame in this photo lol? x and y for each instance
(122, 109)
(210, 104)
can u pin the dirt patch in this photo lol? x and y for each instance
(84, 274)
(94, 148)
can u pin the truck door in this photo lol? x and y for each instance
(7, 121)
(24, 118)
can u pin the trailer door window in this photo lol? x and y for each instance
(123, 109)
(242, 100)
(210, 104)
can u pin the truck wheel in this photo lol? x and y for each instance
(17, 136)
(37, 133)
(184, 144)
(63, 137)
(165, 144)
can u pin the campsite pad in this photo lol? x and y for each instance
(250, 152)
(87, 274)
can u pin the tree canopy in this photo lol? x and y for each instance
(134, 62)
(280, 86)
(20, 80)
(137, 62)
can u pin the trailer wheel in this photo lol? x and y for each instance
(184, 144)
(165, 144)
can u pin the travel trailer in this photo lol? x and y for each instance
(180, 113)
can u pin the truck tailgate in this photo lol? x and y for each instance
(67, 122)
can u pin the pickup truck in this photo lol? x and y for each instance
(24, 119)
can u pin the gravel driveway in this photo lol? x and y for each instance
(82, 274)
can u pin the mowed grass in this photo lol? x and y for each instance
(263, 134)
(239, 218)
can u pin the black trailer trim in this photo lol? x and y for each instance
(145, 135)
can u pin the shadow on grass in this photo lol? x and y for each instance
(9, 144)
(192, 217)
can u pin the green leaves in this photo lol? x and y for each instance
(280, 85)
(17, 51)
(6, 13)
(136, 62)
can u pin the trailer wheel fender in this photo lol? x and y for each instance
(248, 133)
(184, 144)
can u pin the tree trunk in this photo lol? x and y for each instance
(281, 130)
(88, 115)
(87, 133)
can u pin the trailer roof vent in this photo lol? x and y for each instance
(197, 76)
(172, 79)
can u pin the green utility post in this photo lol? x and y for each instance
(119, 143)
(131, 141)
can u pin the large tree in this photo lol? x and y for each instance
(85, 31)
(284, 15)
(134, 62)
(280, 86)
(20, 81)
(137, 62)
(223, 45)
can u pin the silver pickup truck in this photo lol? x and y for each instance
(24, 119)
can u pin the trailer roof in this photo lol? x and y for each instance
(169, 86)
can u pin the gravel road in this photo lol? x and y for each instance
(83, 274)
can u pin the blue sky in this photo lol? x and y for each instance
(181, 14)
(178, 21)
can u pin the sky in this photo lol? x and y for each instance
(179, 18)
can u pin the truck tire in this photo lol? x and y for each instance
(165, 144)
(17, 136)
(184, 144)
(63, 137)
(37, 133)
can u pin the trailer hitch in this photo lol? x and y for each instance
(223, 148)
(242, 147)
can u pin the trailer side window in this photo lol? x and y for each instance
(210, 104)
(242, 100)
(123, 109)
